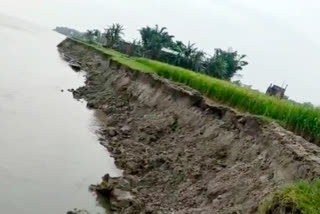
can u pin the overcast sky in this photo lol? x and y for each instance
(280, 37)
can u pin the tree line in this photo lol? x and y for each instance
(156, 43)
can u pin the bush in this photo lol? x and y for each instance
(299, 198)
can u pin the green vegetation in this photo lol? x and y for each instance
(156, 43)
(113, 36)
(300, 198)
(92, 35)
(154, 39)
(222, 65)
(301, 119)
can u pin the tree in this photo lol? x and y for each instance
(189, 50)
(137, 48)
(89, 35)
(225, 64)
(97, 35)
(189, 56)
(157, 43)
(154, 39)
(113, 35)
(197, 61)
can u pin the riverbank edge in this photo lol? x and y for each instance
(249, 124)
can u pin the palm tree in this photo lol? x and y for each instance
(113, 35)
(189, 50)
(89, 35)
(189, 56)
(197, 60)
(179, 47)
(96, 34)
(154, 39)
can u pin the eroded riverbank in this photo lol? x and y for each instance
(181, 153)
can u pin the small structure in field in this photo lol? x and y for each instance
(277, 91)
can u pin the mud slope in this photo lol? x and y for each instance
(179, 152)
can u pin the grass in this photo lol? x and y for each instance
(299, 198)
(303, 120)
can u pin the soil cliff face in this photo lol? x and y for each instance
(181, 153)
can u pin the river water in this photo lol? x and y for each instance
(49, 150)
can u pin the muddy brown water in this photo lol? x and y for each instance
(49, 149)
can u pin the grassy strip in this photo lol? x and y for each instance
(299, 198)
(302, 120)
